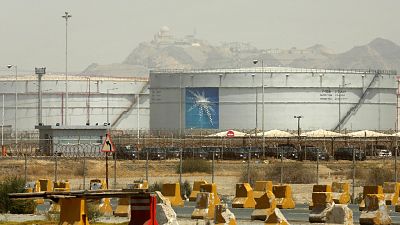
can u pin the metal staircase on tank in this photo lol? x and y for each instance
(132, 105)
(360, 101)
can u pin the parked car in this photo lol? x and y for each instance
(311, 153)
(346, 153)
(289, 151)
(173, 153)
(154, 153)
(127, 152)
(384, 153)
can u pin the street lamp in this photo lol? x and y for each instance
(298, 125)
(108, 116)
(262, 109)
(66, 17)
(339, 92)
(16, 100)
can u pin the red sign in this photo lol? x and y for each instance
(108, 146)
(230, 133)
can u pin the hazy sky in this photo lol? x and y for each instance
(32, 32)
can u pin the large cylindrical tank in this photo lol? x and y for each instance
(238, 99)
(91, 99)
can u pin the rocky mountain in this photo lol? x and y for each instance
(167, 52)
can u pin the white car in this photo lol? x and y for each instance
(384, 153)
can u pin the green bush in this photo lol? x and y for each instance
(374, 175)
(186, 189)
(93, 211)
(16, 206)
(293, 173)
(194, 166)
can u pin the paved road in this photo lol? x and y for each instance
(299, 214)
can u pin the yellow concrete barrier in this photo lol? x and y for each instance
(283, 195)
(319, 188)
(123, 208)
(172, 191)
(265, 206)
(97, 184)
(45, 185)
(36, 188)
(139, 186)
(196, 189)
(391, 192)
(341, 192)
(104, 204)
(204, 206)
(211, 188)
(223, 216)
(375, 211)
(244, 197)
(261, 187)
(322, 203)
(58, 186)
(62, 186)
(276, 218)
(369, 190)
(73, 211)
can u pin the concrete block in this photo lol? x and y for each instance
(283, 195)
(261, 187)
(73, 211)
(139, 186)
(322, 203)
(211, 188)
(61, 186)
(204, 206)
(276, 218)
(196, 189)
(319, 188)
(45, 185)
(369, 190)
(375, 211)
(166, 215)
(340, 214)
(391, 192)
(341, 192)
(123, 208)
(223, 216)
(172, 191)
(244, 197)
(265, 206)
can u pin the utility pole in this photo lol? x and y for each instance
(66, 17)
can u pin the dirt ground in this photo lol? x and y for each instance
(227, 173)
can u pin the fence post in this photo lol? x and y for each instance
(84, 171)
(55, 167)
(115, 170)
(213, 167)
(147, 164)
(180, 166)
(25, 167)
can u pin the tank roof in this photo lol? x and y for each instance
(275, 70)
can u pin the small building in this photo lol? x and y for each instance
(71, 141)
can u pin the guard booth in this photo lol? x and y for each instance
(81, 141)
